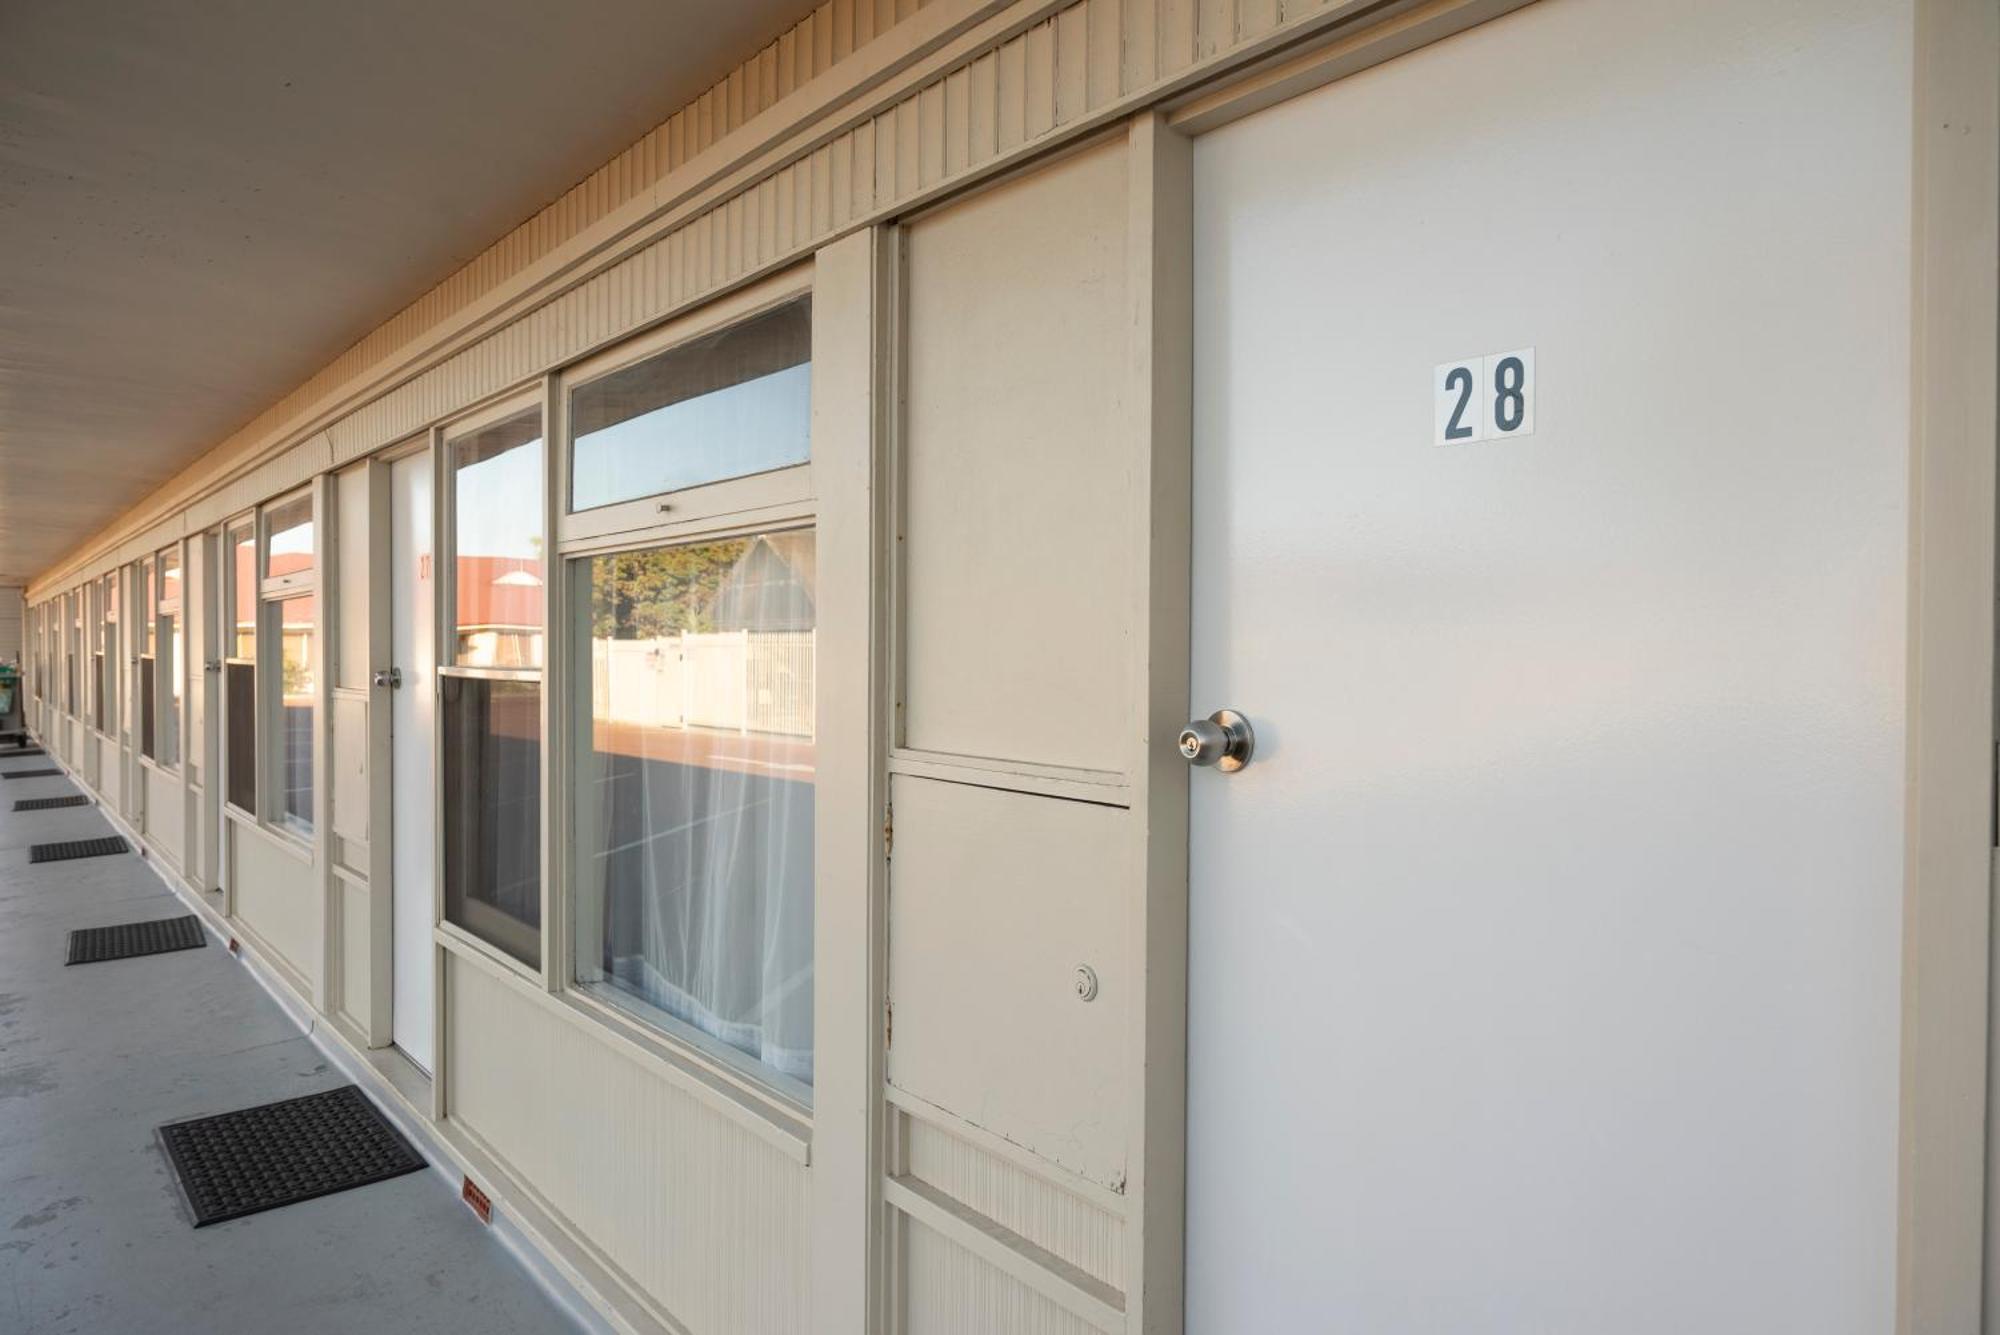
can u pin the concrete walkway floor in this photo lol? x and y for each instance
(94, 1237)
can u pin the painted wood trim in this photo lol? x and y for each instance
(1943, 1236)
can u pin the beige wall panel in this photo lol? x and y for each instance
(949, 1291)
(355, 984)
(350, 553)
(1018, 561)
(107, 770)
(1059, 1221)
(165, 809)
(700, 1213)
(996, 898)
(349, 765)
(276, 898)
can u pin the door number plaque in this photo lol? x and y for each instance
(1484, 398)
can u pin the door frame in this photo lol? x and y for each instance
(379, 633)
(1948, 1231)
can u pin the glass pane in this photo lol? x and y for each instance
(693, 801)
(493, 812)
(291, 528)
(297, 689)
(240, 680)
(734, 403)
(497, 509)
(243, 592)
(146, 707)
(170, 575)
(149, 602)
(167, 731)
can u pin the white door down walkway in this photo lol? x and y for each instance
(94, 1238)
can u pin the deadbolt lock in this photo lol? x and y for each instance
(389, 677)
(1223, 740)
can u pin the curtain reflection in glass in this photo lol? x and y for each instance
(694, 792)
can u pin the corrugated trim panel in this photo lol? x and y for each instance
(949, 1291)
(696, 1210)
(1089, 1238)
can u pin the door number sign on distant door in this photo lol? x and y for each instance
(1484, 398)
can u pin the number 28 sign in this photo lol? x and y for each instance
(1484, 398)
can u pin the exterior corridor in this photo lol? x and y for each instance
(94, 1238)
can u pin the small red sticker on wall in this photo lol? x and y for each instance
(477, 1199)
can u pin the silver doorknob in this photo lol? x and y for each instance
(1223, 740)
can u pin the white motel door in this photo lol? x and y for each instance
(413, 744)
(1551, 427)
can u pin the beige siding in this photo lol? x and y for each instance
(702, 1216)
(276, 901)
(953, 1292)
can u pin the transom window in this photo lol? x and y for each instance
(728, 404)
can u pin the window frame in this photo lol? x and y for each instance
(109, 623)
(777, 500)
(159, 607)
(232, 527)
(273, 592)
(772, 492)
(444, 548)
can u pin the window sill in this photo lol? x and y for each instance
(668, 1046)
(780, 1126)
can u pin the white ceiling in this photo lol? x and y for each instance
(204, 201)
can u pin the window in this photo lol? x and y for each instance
(72, 632)
(239, 669)
(149, 601)
(491, 692)
(726, 405)
(492, 811)
(692, 801)
(172, 668)
(289, 625)
(107, 656)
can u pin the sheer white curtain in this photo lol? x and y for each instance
(701, 846)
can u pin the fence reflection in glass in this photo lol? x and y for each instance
(693, 793)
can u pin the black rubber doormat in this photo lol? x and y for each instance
(78, 848)
(240, 1163)
(123, 941)
(51, 803)
(21, 751)
(31, 774)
